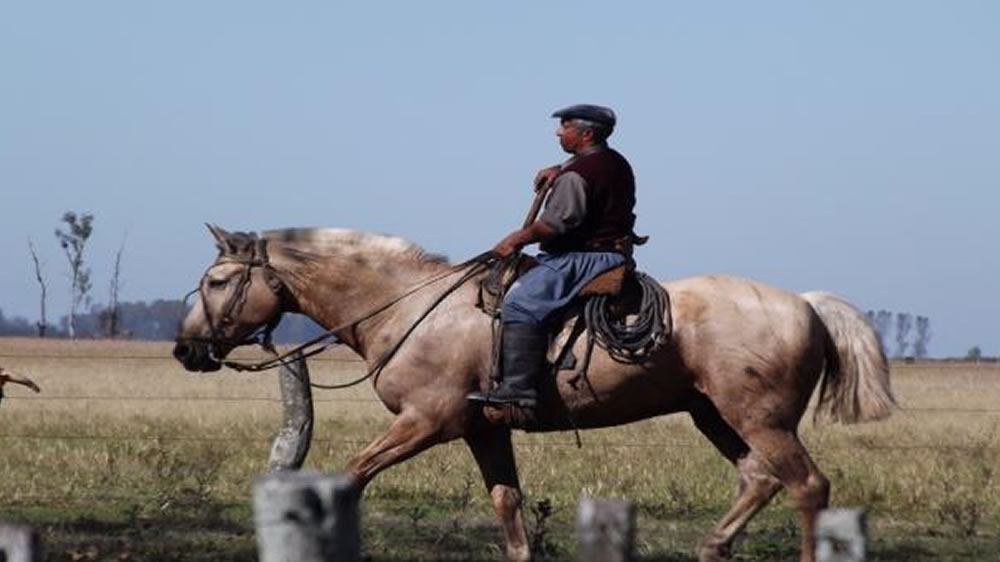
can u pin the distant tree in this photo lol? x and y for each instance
(158, 320)
(162, 320)
(974, 354)
(42, 322)
(881, 321)
(15, 326)
(904, 322)
(112, 319)
(884, 321)
(73, 243)
(923, 337)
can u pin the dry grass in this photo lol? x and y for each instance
(125, 451)
(124, 379)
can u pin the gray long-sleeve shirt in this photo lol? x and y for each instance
(566, 205)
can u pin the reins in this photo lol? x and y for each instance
(262, 336)
(474, 266)
(477, 266)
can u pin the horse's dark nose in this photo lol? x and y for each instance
(195, 356)
(183, 352)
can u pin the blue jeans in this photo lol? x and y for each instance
(552, 284)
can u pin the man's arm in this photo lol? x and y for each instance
(513, 242)
(545, 176)
(564, 210)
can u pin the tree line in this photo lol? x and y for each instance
(902, 334)
(910, 333)
(156, 320)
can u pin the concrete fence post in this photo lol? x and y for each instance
(306, 516)
(291, 444)
(841, 535)
(19, 543)
(605, 530)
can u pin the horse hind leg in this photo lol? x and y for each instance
(757, 485)
(809, 490)
(495, 456)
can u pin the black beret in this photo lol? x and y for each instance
(595, 113)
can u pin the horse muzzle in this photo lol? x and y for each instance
(196, 355)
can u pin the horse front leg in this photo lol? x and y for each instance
(409, 434)
(495, 456)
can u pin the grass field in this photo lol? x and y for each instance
(125, 456)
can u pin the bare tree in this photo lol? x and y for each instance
(904, 322)
(881, 321)
(42, 322)
(923, 337)
(73, 243)
(113, 319)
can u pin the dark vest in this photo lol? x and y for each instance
(610, 196)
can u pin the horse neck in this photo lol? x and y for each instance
(335, 291)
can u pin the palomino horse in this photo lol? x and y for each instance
(743, 361)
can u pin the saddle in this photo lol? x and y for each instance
(504, 272)
(502, 275)
(624, 311)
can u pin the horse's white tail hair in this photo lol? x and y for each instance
(855, 385)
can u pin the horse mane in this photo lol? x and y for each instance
(306, 244)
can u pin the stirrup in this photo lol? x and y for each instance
(512, 416)
(491, 399)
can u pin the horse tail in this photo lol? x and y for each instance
(855, 385)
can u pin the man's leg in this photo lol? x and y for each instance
(523, 347)
(548, 286)
(523, 338)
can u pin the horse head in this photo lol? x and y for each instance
(238, 296)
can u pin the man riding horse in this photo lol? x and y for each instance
(584, 230)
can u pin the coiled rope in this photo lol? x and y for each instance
(632, 338)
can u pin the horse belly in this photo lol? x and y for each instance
(613, 394)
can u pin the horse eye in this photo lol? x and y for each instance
(217, 283)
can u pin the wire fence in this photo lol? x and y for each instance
(353, 399)
(549, 444)
(144, 357)
(663, 445)
(552, 441)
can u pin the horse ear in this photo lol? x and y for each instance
(222, 237)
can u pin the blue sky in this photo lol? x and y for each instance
(846, 146)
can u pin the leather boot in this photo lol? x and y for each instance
(523, 347)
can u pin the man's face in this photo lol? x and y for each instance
(571, 138)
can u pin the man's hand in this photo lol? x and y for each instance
(535, 232)
(545, 177)
(508, 246)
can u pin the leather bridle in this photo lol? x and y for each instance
(254, 254)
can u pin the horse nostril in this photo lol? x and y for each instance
(183, 352)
